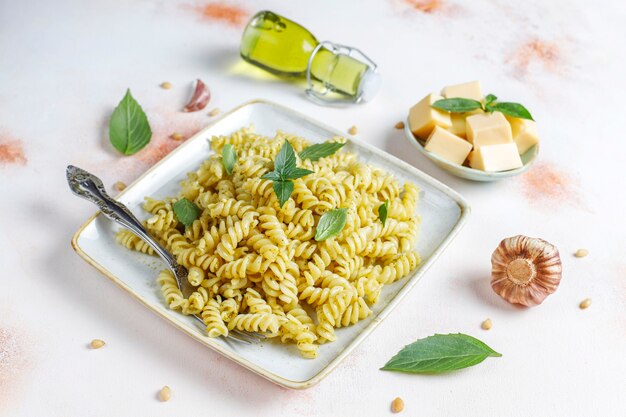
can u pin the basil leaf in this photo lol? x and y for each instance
(129, 130)
(186, 211)
(285, 170)
(272, 176)
(331, 224)
(512, 109)
(457, 105)
(286, 159)
(440, 353)
(490, 98)
(320, 150)
(229, 158)
(295, 173)
(382, 212)
(283, 190)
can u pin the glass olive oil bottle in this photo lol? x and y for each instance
(285, 48)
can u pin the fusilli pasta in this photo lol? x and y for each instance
(255, 266)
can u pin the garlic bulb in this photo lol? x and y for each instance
(525, 270)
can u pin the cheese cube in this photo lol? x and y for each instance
(458, 122)
(488, 129)
(467, 90)
(493, 158)
(524, 133)
(448, 146)
(423, 118)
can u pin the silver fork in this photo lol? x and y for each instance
(90, 187)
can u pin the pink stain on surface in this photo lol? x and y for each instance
(299, 402)
(534, 52)
(13, 363)
(545, 183)
(222, 12)
(11, 151)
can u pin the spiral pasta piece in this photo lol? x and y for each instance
(254, 322)
(131, 241)
(294, 330)
(173, 296)
(213, 318)
(235, 232)
(273, 229)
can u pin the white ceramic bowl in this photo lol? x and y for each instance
(469, 173)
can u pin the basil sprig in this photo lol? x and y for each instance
(440, 353)
(186, 211)
(129, 130)
(320, 150)
(463, 105)
(283, 190)
(229, 158)
(285, 170)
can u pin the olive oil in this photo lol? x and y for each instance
(285, 48)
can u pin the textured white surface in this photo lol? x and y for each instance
(65, 64)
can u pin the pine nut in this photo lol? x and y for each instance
(585, 303)
(486, 325)
(165, 394)
(399, 125)
(119, 186)
(581, 253)
(97, 343)
(214, 112)
(353, 130)
(176, 136)
(397, 405)
(166, 85)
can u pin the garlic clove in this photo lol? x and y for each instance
(525, 270)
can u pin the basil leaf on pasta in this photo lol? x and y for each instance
(186, 211)
(320, 150)
(129, 130)
(285, 160)
(295, 173)
(331, 224)
(382, 212)
(229, 158)
(272, 176)
(283, 190)
(285, 170)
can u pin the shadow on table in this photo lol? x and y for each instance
(479, 283)
(228, 62)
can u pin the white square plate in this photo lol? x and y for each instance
(442, 210)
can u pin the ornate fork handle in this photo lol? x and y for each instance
(91, 188)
